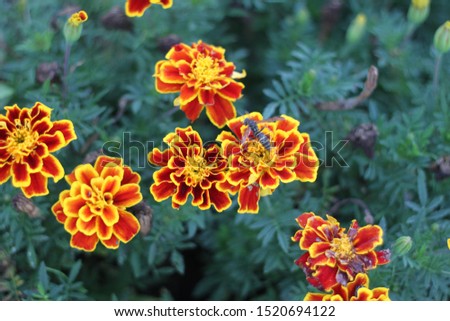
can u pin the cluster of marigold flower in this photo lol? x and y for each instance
(250, 159)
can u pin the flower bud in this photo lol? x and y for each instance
(303, 16)
(356, 29)
(25, 205)
(74, 26)
(418, 11)
(402, 245)
(442, 38)
(307, 81)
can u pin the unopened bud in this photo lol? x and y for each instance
(307, 81)
(364, 136)
(144, 214)
(402, 245)
(356, 29)
(303, 16)
(442, 38)
(418, 11)
(74, 26)
(25, 205)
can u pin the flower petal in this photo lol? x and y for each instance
(187, 94)
(112, 243)
(220, 200)
(162, 191)
(231, 91)
(104, 232)
(221, 112)
(248, 199)
(66, 128)
(5, 173)
(192, 109)
(136, 8)
(37, 187)
(128, 195)
(127, 226)
(367, 238)
(52, 168)
(87, 228)
(53, 142)
(85, 173)
(110, 215)
(84, 242)
(20, 175)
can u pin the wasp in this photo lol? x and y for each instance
(260, 136)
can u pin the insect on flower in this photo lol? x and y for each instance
(258, 133)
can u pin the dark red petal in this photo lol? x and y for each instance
(248, 199)
(136, 8)
(367, 238)
(162, 190)
(220, 200)
(83, 242)
(66, 128)
(5, 173)
(37, 187)
(127, 226)
(20, 174)
(53, 168)
(54, 142)
(221, 112)
(192, 109)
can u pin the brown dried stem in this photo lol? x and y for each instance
(350, 103)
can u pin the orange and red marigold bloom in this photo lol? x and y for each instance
(335, 257)
(94, 208)
(189, 168)
(257, 165)
(27, 139)
(136, 8)
(356, 290)
(203, 78)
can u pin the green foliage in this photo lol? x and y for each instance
(293, 66)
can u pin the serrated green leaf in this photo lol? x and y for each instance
(178, 261)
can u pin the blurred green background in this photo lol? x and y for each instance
(298, 55)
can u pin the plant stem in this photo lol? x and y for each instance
(66, 71)
(437, 67)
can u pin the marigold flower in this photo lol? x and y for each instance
(356, 290)
(27, 139)
(74, 26)
(136, 8)
(94, 208)
(204, 79)
(335, 257)
(189, 169)
(257, 165)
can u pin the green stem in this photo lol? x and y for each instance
(66, 71)
(437, 68)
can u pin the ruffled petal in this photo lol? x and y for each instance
(128, 195)
(52, 168)
(220, 200)
(136, 8)
(20, 175)
(127, 226)
(248, 199)
(84, 242)
(367, 238)
(221, 112)
(162, 191)
(37, 187)
(192, 109)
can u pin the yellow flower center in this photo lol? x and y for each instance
(420, 4)
(196, 170)
(22, 141)
(343, 249)
(256, 152)
(206, 69)
(98, 200)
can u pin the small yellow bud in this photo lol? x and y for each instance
(442, 38)
(74, 26)
(420, 4)
(418, 11)
(356, 29)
